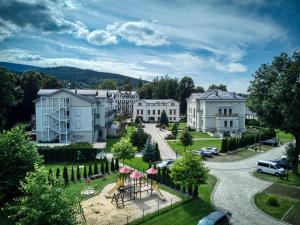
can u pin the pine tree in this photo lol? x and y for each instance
(102, 167)
(78, 173)
(106, 165)
(158, 175)
(112, 165)
(163, 175)
(164, 118)
(157, 153)
(117, 165)
(57, 172)
(149, 165)
(66, 176)
(90, 170)
(72, 175)
(84, 172)
(50, 172)
(96, 171)
(148, 151)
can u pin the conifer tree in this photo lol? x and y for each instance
(72, 175)
(157, 153)
(84, 172)
(78, 173)
(117, 167)
(112, 165)
(57, 172)
(106, 166)
(102, 167)
(96, 171)
(66, 176)
(90, 170)
(50, 172)
(158, 175)
(148, 151)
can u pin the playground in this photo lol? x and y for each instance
(132, 196)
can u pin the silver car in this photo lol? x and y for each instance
(164, 164)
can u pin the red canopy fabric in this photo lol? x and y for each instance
(136, 175)
(124, 170)
(151, 171)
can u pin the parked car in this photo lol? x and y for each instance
(199, 152)
(207, 152)
(213, 150)
(165, 163)
(272, 142)
(284, 163)
(216, 218)
(270, 167)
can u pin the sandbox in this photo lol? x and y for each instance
(100, 210)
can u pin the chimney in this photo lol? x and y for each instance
(76, 91)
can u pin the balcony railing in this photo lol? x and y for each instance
(227, 115)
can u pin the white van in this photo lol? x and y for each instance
(269, 167)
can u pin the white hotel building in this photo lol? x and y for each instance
(150, 109)
(217, 112)
(64, 115)
(124, 101)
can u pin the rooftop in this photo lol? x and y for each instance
(217, 95)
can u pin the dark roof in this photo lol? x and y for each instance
(217, 95)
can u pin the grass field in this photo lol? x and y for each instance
(292, 181)
(197, 144)
(278, 212)
(137, 163)
(185, 213)
(284, 137)
(111, 141)
(196, 134)
(181, 126)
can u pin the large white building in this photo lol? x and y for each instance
(64, 115)
(124, 101)
(216, 111)
(150, 109)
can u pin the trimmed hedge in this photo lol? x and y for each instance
(77, 152)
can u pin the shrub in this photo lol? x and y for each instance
(170, 137)
(272, 201)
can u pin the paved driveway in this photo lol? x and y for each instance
(158, 136)
(237, 187)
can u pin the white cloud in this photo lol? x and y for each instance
(102, 37)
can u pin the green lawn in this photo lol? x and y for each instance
(181, 126)
(293, 179)
(197, 144)
(186, 213)
(137, 163)
(196, 134)
(278, 212)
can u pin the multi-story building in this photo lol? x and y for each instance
(124, 101)
(216, 111)
(249, 114)
(64, 115)
(150, 109)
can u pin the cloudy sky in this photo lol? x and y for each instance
(211, 41)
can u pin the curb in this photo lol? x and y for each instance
(213, 192)
(287, 213)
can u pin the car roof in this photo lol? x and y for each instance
(212, 218)
(269, 162)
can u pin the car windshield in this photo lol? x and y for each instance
(206, 221)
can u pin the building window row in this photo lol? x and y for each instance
(226, 123)
(225, 111)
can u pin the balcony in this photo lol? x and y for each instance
(227, 115)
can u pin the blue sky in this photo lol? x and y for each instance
(211, 41)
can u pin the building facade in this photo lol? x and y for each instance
(249, 114)
(217, 112)
(124, 101)
(150, 109)
(64, 115)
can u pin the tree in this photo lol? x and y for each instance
(44, 201)
(96, 171)
(126, 85)
(57, 172)
(199, 89)
(84, 172)
(164, 118)
(186, 138)
(106, 165)
(102, 169)
(148, 151)
(123, 150)
(289, 150)
(66, 176)
(78, 173)
(50, 172)
(221, 87)
(274, 97)
(189, 170)
(112, 165)
(18, 154)
(138, 138)
(90, 170)
(174, 130)
(117, 165)
(137, 121)
(72, 175)
(108, 84)
(185, 89)
(140, 83)
(157, 152)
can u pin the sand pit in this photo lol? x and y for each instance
(100, 210)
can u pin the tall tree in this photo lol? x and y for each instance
(65, 175)
(126, 85)
(112, 165)
(78, 173)
(157, 152)
(108, 84)
(219, 87)
(199, 89)
(164, 118)
(72, 175)
(148, 151)
(18, 154)
(185, 89)
(186, 138)
(174, 130)
(274, 95)
(138, 138)
(44, 201)
(123, 150)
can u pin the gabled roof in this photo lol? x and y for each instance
(217, 95)
(83, 95)
(157, 101)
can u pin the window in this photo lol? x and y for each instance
(77, 125)
(139, 104)
(172, 104)
(231, 123)
(174, 118)
(153, 112)
(137, 112)
(170, 111)
(230, 111)
(225, 123)
(220, 111)
(148, 112)
(142, 112)
(170, 118)
(158, 112)
(225, 111)
(174, 111)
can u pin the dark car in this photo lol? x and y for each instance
(272, 142)
(284, 163)
(216, 218)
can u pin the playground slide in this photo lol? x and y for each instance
(160, 194)
(107, 195)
